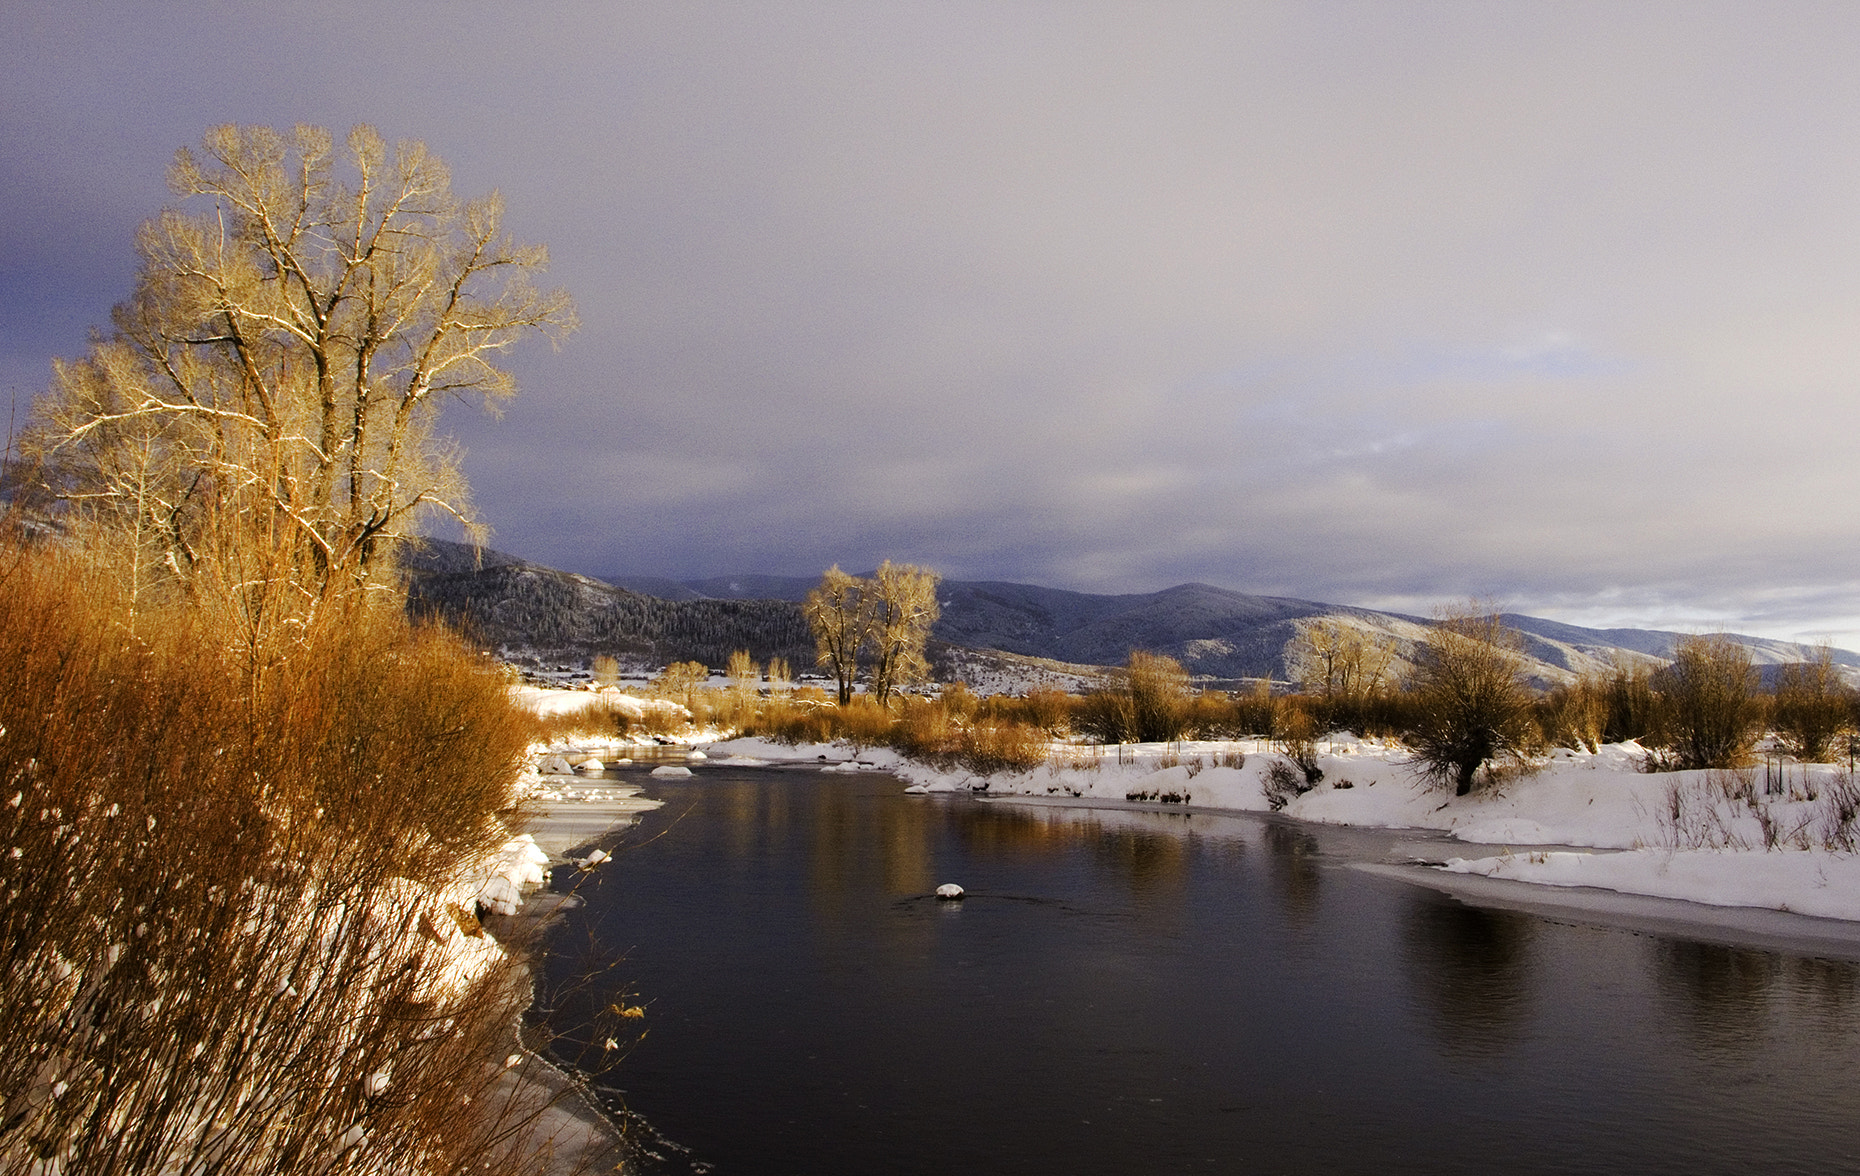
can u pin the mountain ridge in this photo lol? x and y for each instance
(1226, 633)
(1219, 634)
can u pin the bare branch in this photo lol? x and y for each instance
(282, 354)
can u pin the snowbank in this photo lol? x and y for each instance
(1706, 837)
(834, 755)
(1807, 882)
(550, 701)
(1599, 799)
(500, 881)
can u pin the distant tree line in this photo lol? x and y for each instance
(1460, 698)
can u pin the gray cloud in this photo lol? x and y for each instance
(1378, 304)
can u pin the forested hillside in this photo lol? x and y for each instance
(523, 607)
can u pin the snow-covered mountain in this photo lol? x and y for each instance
(1215, 632)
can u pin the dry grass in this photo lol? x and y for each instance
(596, 721)
(1576, 715)
(931, 731)
(1045, 709)
(1006, 747)
(213, 952)
(945, 732)
(801, 717)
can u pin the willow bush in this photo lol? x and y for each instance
(1709, 713)
(1812, 705)
(222, 946)
(1471, 705)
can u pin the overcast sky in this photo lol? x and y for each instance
(1372, 303)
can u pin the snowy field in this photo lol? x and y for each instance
(1580, 820)
(548, 701)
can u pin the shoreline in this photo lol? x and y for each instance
(579, 1139)
(1758, 928)
(1753, 928)
(583, 811)
(1549, 844)
(582, 1138)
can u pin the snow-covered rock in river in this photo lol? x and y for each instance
(501, 895)
(519, 864)
(671, 770)
(949, 890)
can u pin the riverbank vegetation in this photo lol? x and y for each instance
(246, 803)
(236, 933)
(1462, 709)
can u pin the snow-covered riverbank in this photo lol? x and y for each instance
(560, 813)
(1582, 820)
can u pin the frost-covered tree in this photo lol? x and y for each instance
(1813, 705)
(887, 617)
(745, 686)
(781, 679)
(1333, 658)
(1710, 711)
(680, 682)
(606, 669)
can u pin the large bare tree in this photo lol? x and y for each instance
(836, 612)
(901, 604)
(260, 421)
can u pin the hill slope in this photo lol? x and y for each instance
(1216, 633)
(520, 606)
(1224, 634)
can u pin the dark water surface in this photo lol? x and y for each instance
(1164, 993)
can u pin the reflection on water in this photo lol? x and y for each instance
(1720, 995)
(1154, 992)
(1471, 968)
(1294, 861)
(1149, 861)
(1734, 1002)
(992, 830)
(1152, 864)
(1830, 987)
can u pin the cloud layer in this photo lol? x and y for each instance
(1365, 303)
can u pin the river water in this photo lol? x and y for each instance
(1160, 993)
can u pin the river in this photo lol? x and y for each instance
(1131, 993)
